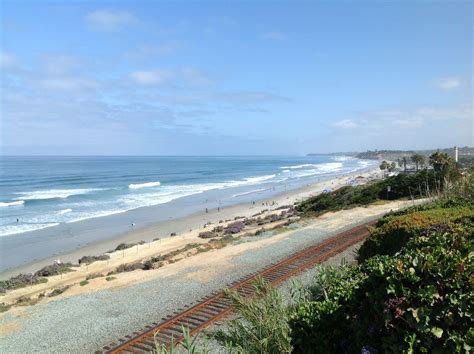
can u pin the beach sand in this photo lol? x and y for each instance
(186, 228)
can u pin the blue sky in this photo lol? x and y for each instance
(239, 78)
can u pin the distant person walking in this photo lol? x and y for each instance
(17, 220)
(207, 211)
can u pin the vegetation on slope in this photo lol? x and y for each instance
(418, 300)
(412, 291)
(421, 184)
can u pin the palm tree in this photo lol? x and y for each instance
(440, 161)
(400, 162)
(384, 166)
(404, 161)
(418, 160)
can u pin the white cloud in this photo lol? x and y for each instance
(448, 83)
(109, 20)
(185, 76)
(7, 60)
(413, 118)
(152, 77)
(346, 124)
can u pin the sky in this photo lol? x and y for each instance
(234, 77)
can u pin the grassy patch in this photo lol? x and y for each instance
(83, 282)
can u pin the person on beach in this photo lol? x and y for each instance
(17, 220)
(206, 211)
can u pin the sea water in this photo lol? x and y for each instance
(43, 192)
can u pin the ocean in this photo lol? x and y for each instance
(43, 192)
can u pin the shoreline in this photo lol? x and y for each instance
(187, 225)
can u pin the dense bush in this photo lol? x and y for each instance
(419, 300)
(417, 185)
(128, 268)
(54, 269)
(393, 232)
(92, 259)
(207, 234)
(124, 246)
(20, 281)
(234, 228)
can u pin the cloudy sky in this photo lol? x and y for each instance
(239, 78)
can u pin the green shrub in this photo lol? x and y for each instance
(393, 231)
(401, 186)
(110, 278)
(21, 281)
(263, 323)
(420, 300)
(83, 282)
(92, 259)
(54, 269)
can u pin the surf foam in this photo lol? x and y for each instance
(144, 185)
(54, 193)
(16, 203)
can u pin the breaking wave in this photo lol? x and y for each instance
(54, 193)
(16, 203)
(144, 185)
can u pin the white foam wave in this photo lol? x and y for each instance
(342, 158)
(250, 192)
(64, 211)
(363, 163)
(255, 180)
(54, 193)
(18, 229)
(297, 166)
(16, 203)
(144, 185)
(329, 167)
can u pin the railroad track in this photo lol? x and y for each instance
(217, 306)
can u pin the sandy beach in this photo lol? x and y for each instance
(186, 228)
